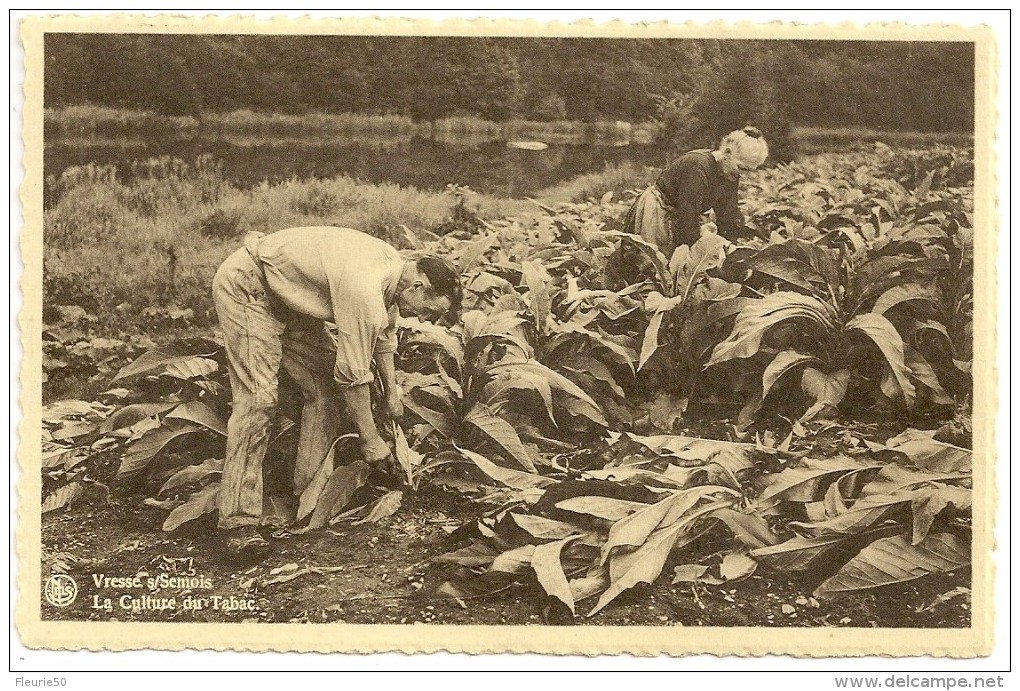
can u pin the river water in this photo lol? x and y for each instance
(488, 167)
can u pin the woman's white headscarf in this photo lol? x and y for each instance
(748, 146)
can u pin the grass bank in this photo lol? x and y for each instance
(77, 122)
(811, 140)
(97, 122)
(81, 122)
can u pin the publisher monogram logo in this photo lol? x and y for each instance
(60, 590)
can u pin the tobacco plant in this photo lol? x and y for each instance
(825, 320)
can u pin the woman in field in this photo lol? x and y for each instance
(668, 213)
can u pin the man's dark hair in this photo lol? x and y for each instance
(444, 279)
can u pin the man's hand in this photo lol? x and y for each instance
(375, 450)
(394, 408)
(377, 454)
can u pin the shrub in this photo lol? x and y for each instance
(220, 225)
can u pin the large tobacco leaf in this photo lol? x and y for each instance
(881, 331)
(200, 414)
(338, 491)
(804, 265)
(640, 566)
(755, 320)
(192, 474)
(501, 432)
(149, 447)
(808, 481)
(199, 504)
(546, 562)
(506, 476)
(158, 361)
(782, 363)
(895, 560)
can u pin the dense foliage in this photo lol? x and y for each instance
(723, 84)
(564, 403)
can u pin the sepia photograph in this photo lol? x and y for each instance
(372, 332)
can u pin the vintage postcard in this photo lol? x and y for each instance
(365, 335)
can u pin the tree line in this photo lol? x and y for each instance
(709, 84)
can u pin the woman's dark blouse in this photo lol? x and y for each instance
(693, 184)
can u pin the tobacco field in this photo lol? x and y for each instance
(774, 431)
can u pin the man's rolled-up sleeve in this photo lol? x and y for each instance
(355, 345)
(363, 323)
(361, 320)
(387, 341)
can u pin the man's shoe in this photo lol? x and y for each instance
(246, 545)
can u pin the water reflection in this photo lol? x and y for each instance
(410, 161)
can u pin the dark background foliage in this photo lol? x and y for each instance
(707, 86)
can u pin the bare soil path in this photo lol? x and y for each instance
(380, 573)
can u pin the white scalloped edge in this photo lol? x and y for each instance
(586, 640)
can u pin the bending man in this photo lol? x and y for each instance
(273, 297)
